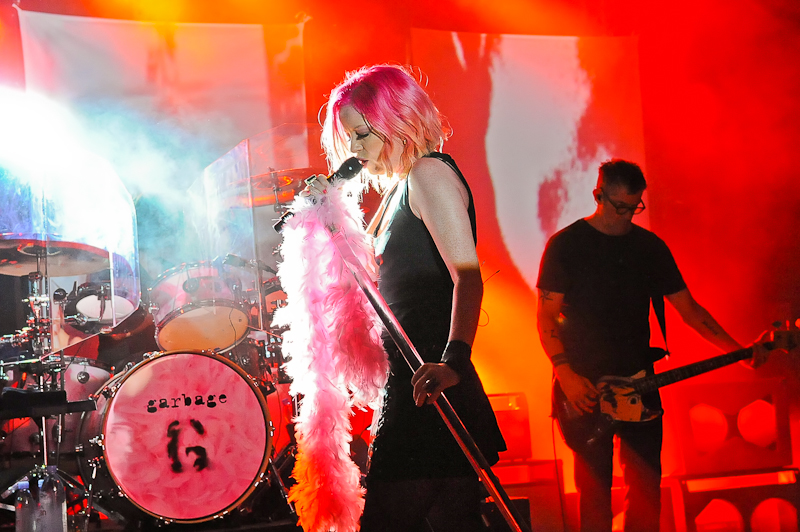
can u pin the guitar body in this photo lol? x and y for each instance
(621, 402)
(618, 402)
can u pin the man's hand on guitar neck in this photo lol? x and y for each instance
(580, 391)
(760, 351)
(760, 355)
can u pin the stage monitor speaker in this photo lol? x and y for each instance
(745, 503)
(726, 428)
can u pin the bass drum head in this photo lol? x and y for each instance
(186, 436)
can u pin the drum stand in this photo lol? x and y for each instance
(44, 403)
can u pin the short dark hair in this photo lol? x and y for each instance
(619, 172)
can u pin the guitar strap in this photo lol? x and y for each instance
(658, 308)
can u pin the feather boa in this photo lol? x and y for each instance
(336, 356)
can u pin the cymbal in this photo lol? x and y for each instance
(21, 255)
(292, 177)
(279, 186)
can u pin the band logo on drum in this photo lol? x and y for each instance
(186, 400)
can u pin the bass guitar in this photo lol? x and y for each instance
(620, 398)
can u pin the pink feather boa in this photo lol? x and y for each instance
(336, 361)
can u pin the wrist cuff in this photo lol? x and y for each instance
(457, 356)
(559, 359)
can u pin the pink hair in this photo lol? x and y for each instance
(396, 109)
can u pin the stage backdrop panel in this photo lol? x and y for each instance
(533, 117)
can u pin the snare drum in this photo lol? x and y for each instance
(199, 306)
(182, 436)
(82, 378)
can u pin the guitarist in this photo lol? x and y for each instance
(596, 280)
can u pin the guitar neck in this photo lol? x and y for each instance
(650, 384)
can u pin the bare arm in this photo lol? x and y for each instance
(579, 390)
(440, 200)
(699, 319)
(547, 317)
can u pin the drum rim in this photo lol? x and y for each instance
(186, 266)
(155, 355)
(73, 360)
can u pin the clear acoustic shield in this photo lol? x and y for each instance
(67, 227)
(244, 192)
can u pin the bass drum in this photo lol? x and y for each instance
(182, 436)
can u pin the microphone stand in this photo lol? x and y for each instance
(443, 406)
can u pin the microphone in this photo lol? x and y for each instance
(348, 170)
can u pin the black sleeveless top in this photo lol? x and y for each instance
(412, 442)
(413, 277)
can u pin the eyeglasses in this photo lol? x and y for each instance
(624, 208)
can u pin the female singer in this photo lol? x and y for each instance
(424, 240)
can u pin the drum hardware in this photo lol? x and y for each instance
(78, 377)
(270, 285)
(238, 262)
(18, 339)
(39, 322)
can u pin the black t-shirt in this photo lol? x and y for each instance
(607, 282)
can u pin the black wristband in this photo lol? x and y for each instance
(457, 356)
(559, 359)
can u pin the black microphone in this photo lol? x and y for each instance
(348, 170)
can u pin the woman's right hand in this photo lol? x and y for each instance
(316, 185)
(579, 390)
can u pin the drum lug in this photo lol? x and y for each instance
(107, 392)
(79, 448)
(98, 440)
(153, 308)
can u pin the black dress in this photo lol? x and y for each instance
(412, 442)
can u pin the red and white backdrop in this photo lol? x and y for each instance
(533, 118)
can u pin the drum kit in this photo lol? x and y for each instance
(189, 434)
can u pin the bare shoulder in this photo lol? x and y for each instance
(433, 178)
